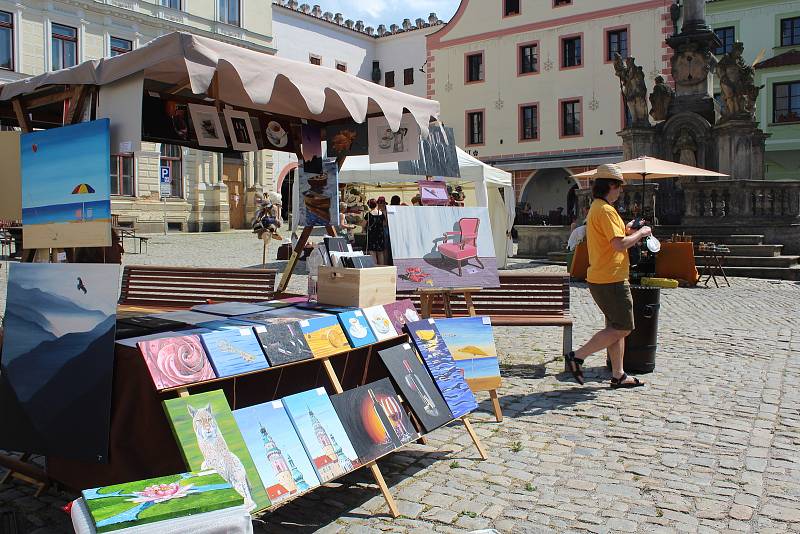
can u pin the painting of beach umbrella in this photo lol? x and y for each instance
(471, 341)
(66, 186)
(83, 189)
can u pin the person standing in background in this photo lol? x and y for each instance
(373, 223)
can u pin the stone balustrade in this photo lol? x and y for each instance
(741, 200)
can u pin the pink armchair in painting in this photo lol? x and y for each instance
(466, 248)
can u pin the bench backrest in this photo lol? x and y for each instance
(148, 285)
(519, 294)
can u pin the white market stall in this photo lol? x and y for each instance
(493, 189)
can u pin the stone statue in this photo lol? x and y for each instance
(660, 99)
(675, 15)
(634, 89)
(737, 83)
(685, 148)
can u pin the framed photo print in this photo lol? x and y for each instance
(386, 146)
(240, 128)
(207, 126)
(277, 134)
(433, 193)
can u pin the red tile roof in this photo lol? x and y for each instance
(322, 461)
(786, 59)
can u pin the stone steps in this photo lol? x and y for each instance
(752, 261)
(722, 239)
(768, 273)
(757, 251)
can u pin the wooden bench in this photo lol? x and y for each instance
(523, 299)
(184, 287)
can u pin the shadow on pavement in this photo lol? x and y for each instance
(326, 504)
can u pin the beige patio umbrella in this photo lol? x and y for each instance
(648, 167)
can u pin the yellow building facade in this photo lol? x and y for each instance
(210, 192)
(529, 85)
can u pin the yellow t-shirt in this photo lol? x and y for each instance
(606, 265)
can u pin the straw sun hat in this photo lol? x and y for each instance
(609, 171)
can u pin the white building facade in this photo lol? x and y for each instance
(210, 191)
(529, 85)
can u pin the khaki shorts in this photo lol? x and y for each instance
(616, 303)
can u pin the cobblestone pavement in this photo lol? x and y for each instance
(710, 445)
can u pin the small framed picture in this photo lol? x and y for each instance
(386, 146)
(207, 126)
(240, 128)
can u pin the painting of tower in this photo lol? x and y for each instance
(322, 433)
(277, 451)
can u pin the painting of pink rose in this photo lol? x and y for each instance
(176, 361)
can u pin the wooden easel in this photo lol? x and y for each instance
(427, 297)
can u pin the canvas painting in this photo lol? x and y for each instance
(386, 146)
(416, 385)
(234, 352)
(151, 323)
(176, 361)
(228, 309)
(240, 127)
(319, 195)
(209, 438)
(400, 313)
(471, 342)
(380, 323)
(11, 199)
(312, 148)
(277, 134)
(374, 420)
(325, 336)
(133, 342)
(433, 193)
(66, 186)
(442, 247)
(207, 126)
(58, 359)
(187, 317)
(283, 343)
(285, 314)
(437, 155)
(440, 363)
(323, 436)
(347, 139)
(135, 504)
(356, 328)
(165, 121)
(281, 461)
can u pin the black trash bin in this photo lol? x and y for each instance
(641, 345)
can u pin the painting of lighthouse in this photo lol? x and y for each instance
(281, 460)
(322, 433)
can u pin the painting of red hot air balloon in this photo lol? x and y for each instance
(66, 186)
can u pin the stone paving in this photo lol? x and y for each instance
(710, 445)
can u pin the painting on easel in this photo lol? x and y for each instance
(442, 247)
(471, 342)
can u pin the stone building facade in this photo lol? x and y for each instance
(210, 192)
(529, 86)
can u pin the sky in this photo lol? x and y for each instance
(388, 12)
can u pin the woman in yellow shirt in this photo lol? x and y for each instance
(608, 240)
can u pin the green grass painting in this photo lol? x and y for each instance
(210, 439)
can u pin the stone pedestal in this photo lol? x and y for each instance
(638, 141)
(740, 148)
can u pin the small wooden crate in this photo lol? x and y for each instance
(360, 288)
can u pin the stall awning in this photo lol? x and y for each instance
(245, 78)
(357, 169)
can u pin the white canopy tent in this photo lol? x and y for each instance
(487, 180)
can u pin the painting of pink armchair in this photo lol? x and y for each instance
(462, 246)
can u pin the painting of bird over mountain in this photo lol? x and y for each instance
(58, 358)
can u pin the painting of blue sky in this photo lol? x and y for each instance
(66, 186)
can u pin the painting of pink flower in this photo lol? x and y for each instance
(161, 493)
(176, 361)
